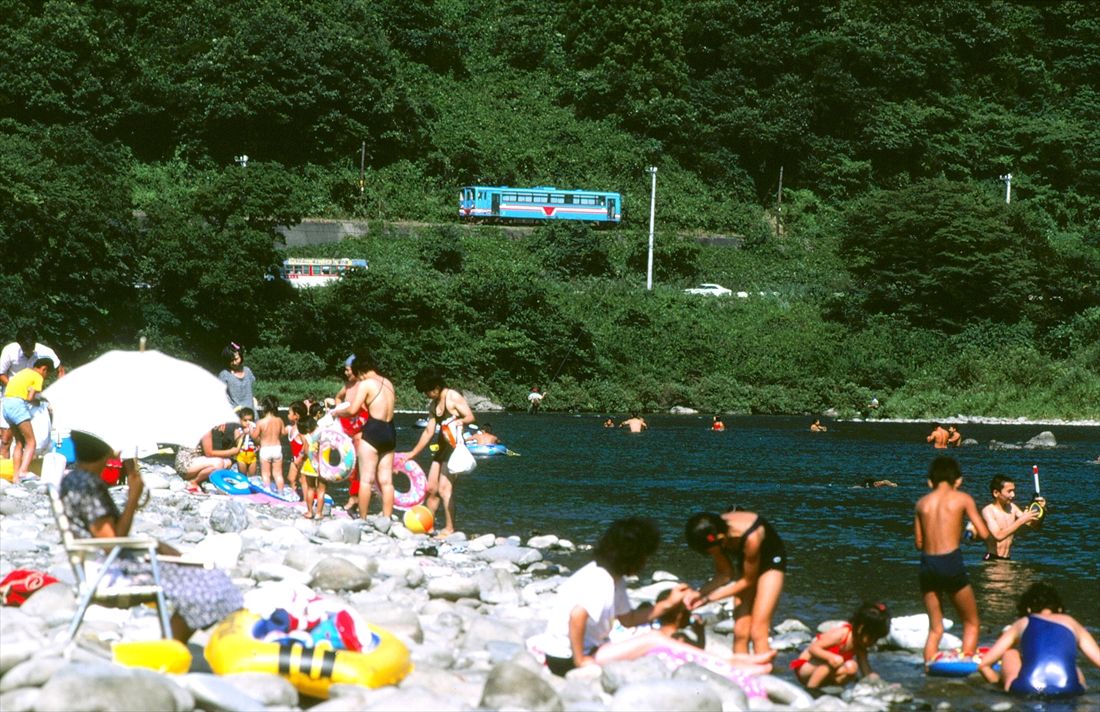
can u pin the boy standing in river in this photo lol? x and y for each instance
(938, 530)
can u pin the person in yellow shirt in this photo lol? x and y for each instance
(22, 390)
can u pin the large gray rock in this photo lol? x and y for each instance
(511, 686)
(16, 649)
(216, 694)
(496, 586)
(229, 516)
(452, 588)
(21, 700)
(93, 687)
(32, 672)
(732, 696)
(1044, 439)
(398, 620)
(343, 531)
(268, 689)
(622, 673)
(785, 692)
(519, 555)
(54, 604)
(684, 695)
(334, 573)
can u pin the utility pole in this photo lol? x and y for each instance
(362, 165)
(652, 170)
(779, 202)
(1007, 178)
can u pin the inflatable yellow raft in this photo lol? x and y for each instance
(232, 649)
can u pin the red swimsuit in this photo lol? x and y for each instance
(834, 649)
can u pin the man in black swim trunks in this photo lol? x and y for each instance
(937, 532)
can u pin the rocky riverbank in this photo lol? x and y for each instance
(464, 607)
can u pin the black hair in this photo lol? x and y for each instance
(871, 619)
(625, 546)
(998, 482)
(230, 351)
(429, 379)
(298, 407)
(26, 336)
(270, 405)
(89, 448)
(1039, 596)
(702, 530)
(316, 410)
(363, 362)
(674, 614)
(245, 410)
(944, 469)
(487, 428)
(47, 362)
(306, 425)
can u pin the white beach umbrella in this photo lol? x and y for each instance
(133, 400)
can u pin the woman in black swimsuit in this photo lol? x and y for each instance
(747, 543)
(446, 405)
(373, 395)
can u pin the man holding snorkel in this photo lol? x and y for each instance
(1004, 518)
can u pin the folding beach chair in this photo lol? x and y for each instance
(94, 582)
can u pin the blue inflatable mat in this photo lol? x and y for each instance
(957, 667)
(230, 482)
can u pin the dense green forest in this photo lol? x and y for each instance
(893, 268)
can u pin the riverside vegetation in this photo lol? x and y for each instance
(895, 269)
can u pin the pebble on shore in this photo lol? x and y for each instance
(464, 607)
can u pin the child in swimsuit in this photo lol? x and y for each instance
(1045, 662)
(761, 560)
(313, 487)
(246, 458)
(938, 528)
(838, 654)
(270, 431)
(589, 603)
(295, 412)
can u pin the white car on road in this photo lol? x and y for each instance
(715, 290)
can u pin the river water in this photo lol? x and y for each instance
(845, 543)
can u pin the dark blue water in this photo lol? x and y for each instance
(845, 544)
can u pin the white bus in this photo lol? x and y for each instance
(318, 271)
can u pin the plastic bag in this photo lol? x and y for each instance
(461, 460)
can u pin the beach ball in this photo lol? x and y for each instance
(419, 520)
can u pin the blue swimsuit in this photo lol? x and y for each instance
(1048, 654)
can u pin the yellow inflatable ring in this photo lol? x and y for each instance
(232, 649)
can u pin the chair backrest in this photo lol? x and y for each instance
(64, 528)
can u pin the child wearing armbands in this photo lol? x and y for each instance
(838, 654)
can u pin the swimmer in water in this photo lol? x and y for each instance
(954, 437)
(1004, 518)
(609, 423)
(635, 423)
(717, 424)
(876, 483)
(817, 427)
(1038, 652)
(938, 437)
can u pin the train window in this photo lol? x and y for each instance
(556, 198)
(600, 200)
(510, 197)
(569, 200)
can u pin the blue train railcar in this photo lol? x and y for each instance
(504, 204)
